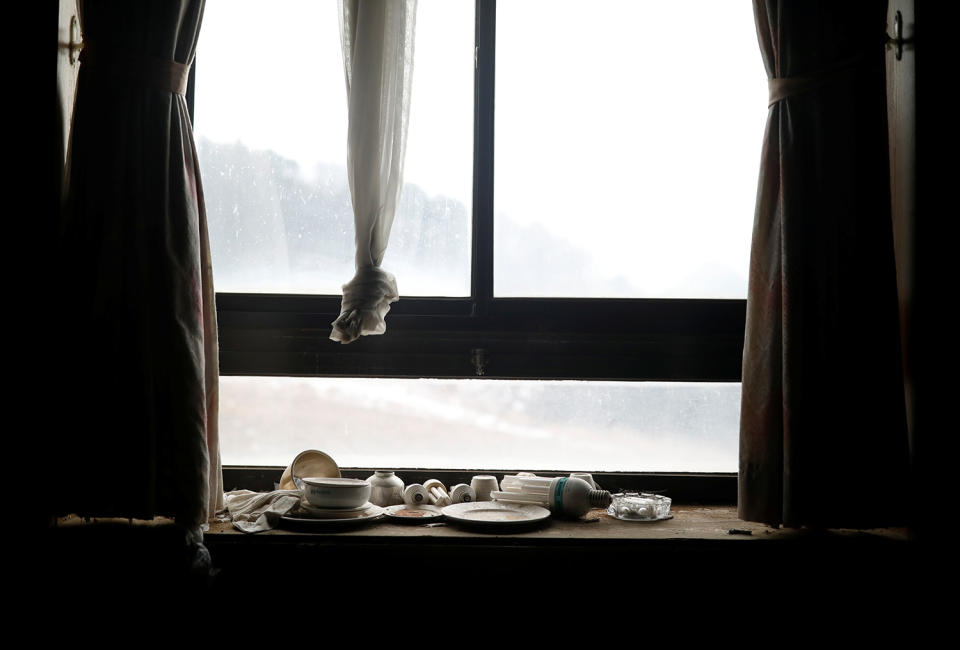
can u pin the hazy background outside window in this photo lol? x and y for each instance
(482, 424)
(628, 138)
(627, 147)
(271, 131)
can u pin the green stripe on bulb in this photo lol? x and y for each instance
(558, 494)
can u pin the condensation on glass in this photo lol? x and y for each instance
(271, 130)
(626, 156)
(627, 148)
(482, 424)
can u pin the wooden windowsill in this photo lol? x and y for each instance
(702, 523)
(691, 556)
(618, 561)
(689, 522)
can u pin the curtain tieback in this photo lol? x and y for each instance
(783, 87)
(168, 75)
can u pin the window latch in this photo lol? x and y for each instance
(478, 357)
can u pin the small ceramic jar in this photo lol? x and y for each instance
(386, 489)
(483, 485)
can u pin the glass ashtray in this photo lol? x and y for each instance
(639, 506)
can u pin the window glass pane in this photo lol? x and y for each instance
(627, 148)
(482, 424)
(270, 122)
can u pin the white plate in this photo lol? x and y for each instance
(326, 512)
(413, 514)
(495, 513)
(304, 517)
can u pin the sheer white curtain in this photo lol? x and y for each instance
(377, 40)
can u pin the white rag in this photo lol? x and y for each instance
(253, 512)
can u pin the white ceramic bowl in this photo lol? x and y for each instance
(326, 492)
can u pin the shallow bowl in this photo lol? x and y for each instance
(327, 492)
(308, 463)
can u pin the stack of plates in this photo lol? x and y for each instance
(306, 513)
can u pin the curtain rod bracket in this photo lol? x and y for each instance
(898, 40)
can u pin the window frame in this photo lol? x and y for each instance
(697, 340)
(483, 336)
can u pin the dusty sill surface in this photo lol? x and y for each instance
(705, 523)
(689, 560)
(688, 522)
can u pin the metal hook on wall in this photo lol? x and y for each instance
(76, 40)
(897, 39)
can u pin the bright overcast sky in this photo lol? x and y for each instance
(613, 130)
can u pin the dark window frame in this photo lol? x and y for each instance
(694, 340)
(502, 338)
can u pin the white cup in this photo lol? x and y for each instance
(483, 485)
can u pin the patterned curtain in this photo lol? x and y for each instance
(137, 434)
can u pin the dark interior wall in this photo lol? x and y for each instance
(930, 239)
(67, 69)
(902, 126)
(901, 111)
(922, 177)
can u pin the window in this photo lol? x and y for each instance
(505, 270)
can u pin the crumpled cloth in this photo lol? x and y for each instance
(253, 512)
(366, 301)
